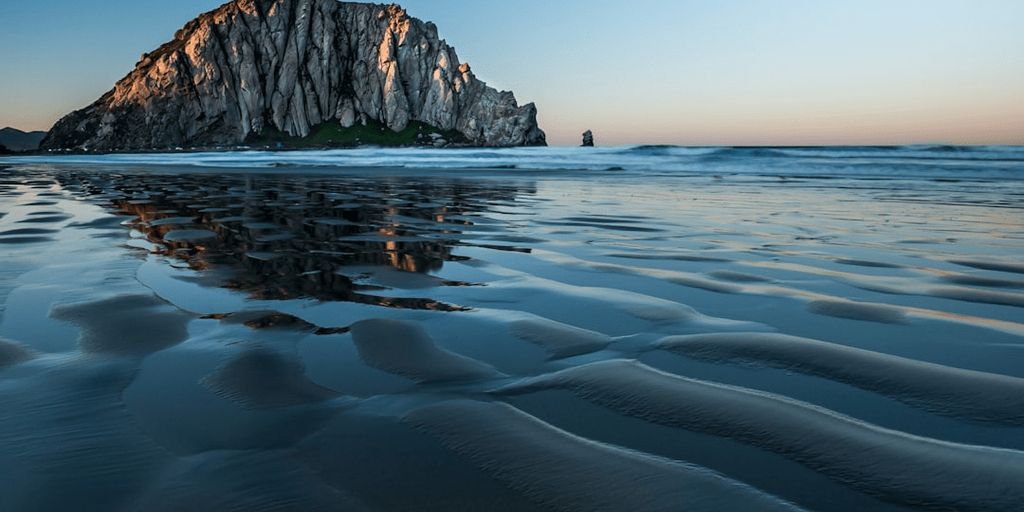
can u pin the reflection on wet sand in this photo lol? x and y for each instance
(279, 238)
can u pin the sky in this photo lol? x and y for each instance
(692, 72)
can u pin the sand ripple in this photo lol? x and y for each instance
(565, 472)
(405, 349)
(560, 340)
(894, 466)
(978, 396)
(126, 325)
(12, 353)
(261, 378)
(850, 310)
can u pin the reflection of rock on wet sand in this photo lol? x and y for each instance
(282, 239)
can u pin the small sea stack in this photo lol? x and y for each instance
(588, 139)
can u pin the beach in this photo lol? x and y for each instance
(647, 328)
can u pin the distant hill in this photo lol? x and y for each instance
(17, 140)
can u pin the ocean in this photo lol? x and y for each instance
(935, 161)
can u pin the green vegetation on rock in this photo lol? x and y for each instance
(333, 135)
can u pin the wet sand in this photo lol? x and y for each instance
(178, 338)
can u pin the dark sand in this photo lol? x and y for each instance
(184, 338)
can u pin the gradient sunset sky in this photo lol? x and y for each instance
(695, 72)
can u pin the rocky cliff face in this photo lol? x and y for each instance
(291, 65)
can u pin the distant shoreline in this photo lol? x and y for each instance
(269, 149)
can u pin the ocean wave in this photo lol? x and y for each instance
(670, 150)
(934, 162)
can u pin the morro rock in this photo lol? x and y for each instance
(252, 67)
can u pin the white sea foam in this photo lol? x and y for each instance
(951, 162)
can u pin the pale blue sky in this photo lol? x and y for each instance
(679, 71)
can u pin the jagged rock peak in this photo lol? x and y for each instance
(292, 65)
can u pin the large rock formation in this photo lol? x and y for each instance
(252, 66)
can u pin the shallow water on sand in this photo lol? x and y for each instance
(397, 339)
